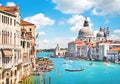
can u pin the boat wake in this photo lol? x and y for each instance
(107, 64)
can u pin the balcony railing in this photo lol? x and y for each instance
(7, 65)
(9, 46)
(6, 46)
(18, 61)
(26, 60)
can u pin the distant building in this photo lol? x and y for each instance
(59, 52)
(94, 48)
(85, 42)
(108, 50)
(103, 34)
(80, 48)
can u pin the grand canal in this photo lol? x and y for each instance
(98, 73)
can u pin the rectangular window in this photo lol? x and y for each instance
(10, 21)
(2, 37)
(2, 18)
(6, 20)
(23, 44)
(30, 29)
(10, 38)
(14, 22)
(28, 44)
(0, 75)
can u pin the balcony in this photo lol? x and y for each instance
(18, 46)
(26, 59)
(6, 46)
(7, 66)
(17, 62)
(9, 46)
(20, 61)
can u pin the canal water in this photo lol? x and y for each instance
(98, 73)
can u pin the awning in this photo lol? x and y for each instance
(7, 53)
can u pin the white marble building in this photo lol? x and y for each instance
(90, 47)
(108, 50)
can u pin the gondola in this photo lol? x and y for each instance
(76, 70)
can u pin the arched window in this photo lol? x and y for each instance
(30, 29)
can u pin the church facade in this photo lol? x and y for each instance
(58, 52)
(92, 47)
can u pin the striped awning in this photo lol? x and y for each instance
(7, 52)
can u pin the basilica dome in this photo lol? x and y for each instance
(100, 34)
(86, 31)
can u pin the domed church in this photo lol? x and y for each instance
(103, 34)
(90, 47)
(86, 33)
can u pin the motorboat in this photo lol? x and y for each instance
(90, 64)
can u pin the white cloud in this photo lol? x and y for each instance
(40, 20)
(99, 7)
(42, 33)
(117, 31)
(73, 6)
(77, 22)
(104, 7)
(10, 4)
(115, 35)
(62, 23)
(0, 4)
(62, 41)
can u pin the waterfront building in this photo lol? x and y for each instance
(59, 52)
(84, 44)
(108, 50)
(94, 48)
(82, 49)
(75, 48)
(17, 46)
(28, 47)
(10, 49)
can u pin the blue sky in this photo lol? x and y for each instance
(59, 21)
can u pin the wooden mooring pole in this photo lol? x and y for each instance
(49, 80)
(44, 80)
